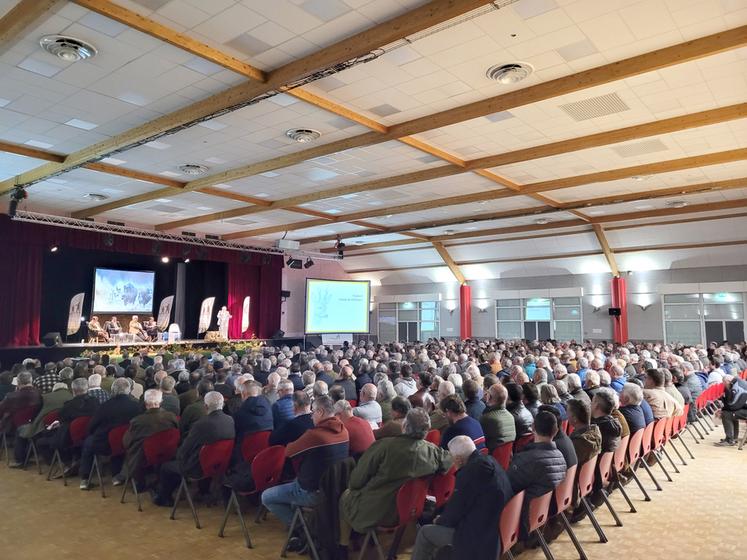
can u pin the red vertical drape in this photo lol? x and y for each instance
(20, 294)
(262, 285)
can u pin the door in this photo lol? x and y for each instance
(408, 331)
(734, 331)
(530, 330)
(543, 330)
(714, 331)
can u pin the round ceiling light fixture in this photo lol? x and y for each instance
(541, 221)
(303, 135)
(449, 232)
(66, 48)
(511, 73)
(676, 204)
(95, 196)
(193, 169)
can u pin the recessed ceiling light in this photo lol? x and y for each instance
(68, 49)
(640, 177)
(113, 161)
(270, 174)
(511, 73)
(541, 221)
(95, 196)
(193, 169)
(261, 195)
(83, 125)
(157, 145)
(38, 144)
(676, 204)
(449, 232)
(223, 186)
(303, 135)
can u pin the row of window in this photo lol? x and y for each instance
(703, 318)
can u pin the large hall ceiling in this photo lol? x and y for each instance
(625, 149)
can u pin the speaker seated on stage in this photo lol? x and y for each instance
(151, 328)
(95, 331)
(112, 327)
(136, 329)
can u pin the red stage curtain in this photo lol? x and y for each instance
(20, 294)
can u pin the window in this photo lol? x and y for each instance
(701, 318)
(408, 321)
(531, 317)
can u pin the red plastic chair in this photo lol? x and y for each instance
(564, 426)
(605, 478)
(158, 449)
(563, 501)
(442, 487)
(410, 504)
(214, 461)
(267, 471)
(353, 402)
(522, 442)
(585, 487)
(618, 466)
(657, 443)
(434, 437)
(510, 524)
(77, 432)
(503, 453)
(116, 447)
(17, 419)
(634, 455)
(539, 511)
(48, 420)
(679, 424)
(253, 443)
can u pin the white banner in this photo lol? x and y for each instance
(336, 339)
(76, 309)
(206, 313)
(164, 313)
(245, 315)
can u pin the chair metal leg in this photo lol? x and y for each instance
(661, 465)
(594, 522)
(29, 451)
(5, 448)
(677, 451)
(137, 494)
(646, 497)
(56, 462)
(689, 428)
(669, 458)
(572, 535)
(191, 504)
(650, 473)
(684, 444)
(284, 551)
(625, 495)
(307, 533)
(364, 545)
(95, 466)
(543, 544)
(260, 513)
(377, 544)
(234, 502)
(395, 543)
(607, 502)
(510, 555)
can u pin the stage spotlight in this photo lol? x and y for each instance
(289, 261)
(164, 259)
(294, 263)
(309, 263)
(186, 261)
(54, 249)
(18, 194)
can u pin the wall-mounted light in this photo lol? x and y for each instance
(482, 305)
(451, 306)
(644, 307)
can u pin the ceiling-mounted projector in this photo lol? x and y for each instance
(287, 244)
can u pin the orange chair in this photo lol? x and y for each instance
(267, 471)
(442, 487)
(503, 453)
(116, 448)
(646, 444)
(563, 501)
(668, 430)
(214, 461)
(434, 437)
(77, 432)
(657, 444)
(522, 442)
(48, 420)
(585, 487)
(539, 510)
(605, 479)
(158, 448)
(510, 524)
(410, 504)
(253, 443)
(18, 419)
(634, 454)
(618, 465)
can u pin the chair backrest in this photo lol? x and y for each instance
(618, 461)
(160, 447)
(78, 429)
(115, 437)
(660, 427)
(411, 500)
(522, 442)
(539, 508)
(442, 486)
(353, 402)
(683, 418)
(564, 426)
(668, 429)
(23, 416)
(215, 457)
(586, 477)
(267, 467)
(502, 454)
(252, 444)
(510, 522)
(434, 437)
(634, 446)
(50, 418)
(646, 441)
(564, 490)
(605, 468)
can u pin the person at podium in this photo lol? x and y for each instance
(136, 329)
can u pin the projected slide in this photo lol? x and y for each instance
(337, 306)
(123, 291)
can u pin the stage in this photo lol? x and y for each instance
(9, 356)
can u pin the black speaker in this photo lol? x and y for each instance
(614, 311)
(279, 334)
(52, 339)
(285, 293)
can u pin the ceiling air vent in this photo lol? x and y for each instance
(509, 73)
(303, 135)
(68, 49)
(640, 149)
(98, 197)
(192, 169)
(676, 204)
(594, 107)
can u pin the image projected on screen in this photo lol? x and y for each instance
(123, 291)
(336, 306)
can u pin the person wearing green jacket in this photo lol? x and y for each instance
(371, 498)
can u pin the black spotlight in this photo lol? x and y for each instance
(309, 263)
(54, 248)
(108, 240)
(294, 263)
(18, 194)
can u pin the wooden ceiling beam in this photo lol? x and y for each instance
(608, 254)
(361, 43)
(446, 257)
(21, 17)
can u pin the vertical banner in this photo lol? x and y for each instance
(245, 315)
(76, 309)
(206, 313)
(164, 313)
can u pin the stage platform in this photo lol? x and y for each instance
(9, 356)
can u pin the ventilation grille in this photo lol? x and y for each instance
(594, 107)
(640, 148)
(165, 208)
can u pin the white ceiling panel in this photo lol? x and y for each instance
(12, 164)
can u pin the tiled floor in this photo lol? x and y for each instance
(700, 515)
